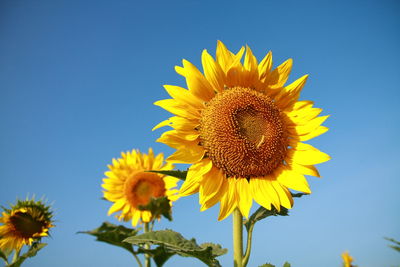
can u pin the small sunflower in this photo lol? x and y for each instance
(129, 186)
(347, 259)
(26, 222)
(242, 129)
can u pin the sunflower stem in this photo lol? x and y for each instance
(147, 262)
(248, 245)
(237, 238)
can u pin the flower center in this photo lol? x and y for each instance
(243, 134)
(25, 224)
(142, 186)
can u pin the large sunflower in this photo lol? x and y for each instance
(129, 186)
(26, 222)
(242, 129)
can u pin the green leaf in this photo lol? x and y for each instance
(157, 207)
(113, 234)
(174, 242)
(262, 213)
(286, 264)
(178, 174)
(159, 254)
(267, 265)
(3, 256)
(396, 246)
(33, 250)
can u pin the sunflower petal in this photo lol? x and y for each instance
(259, 192)
(184, 96)
(244, 196)
(293, 180)
(228, 201)
(213, 71)
(264, 68)
(210, 185)
(194, 176)
(280, 75)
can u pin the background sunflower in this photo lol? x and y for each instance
(129, 186)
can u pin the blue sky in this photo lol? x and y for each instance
(77, 83)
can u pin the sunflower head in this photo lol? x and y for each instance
(129, 185)
(25, 222)
(242, 129)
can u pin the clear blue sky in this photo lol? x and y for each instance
(77, 83)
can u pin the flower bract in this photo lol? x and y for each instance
(242, 130)
(129, 185)
(26, 222)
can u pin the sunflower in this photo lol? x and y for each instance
(347, 259)
(26, 222)
(242, 129)
(129, 186)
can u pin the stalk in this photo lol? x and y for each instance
(237, 238)
(147, 262)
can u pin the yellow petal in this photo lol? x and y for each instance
(293, 180)
(198, 85)
(308, 157)
(264, 68)
(303, 169)
(244, 197)
(285, 198)
(178, 109)
(117, 206)
(227, 59)
(228, 201)
(210, 184)
(307, 128)
(317, 132)
(213, 71)
(280, 75)
(217, 197)
(260, 193)
(290, 93)
(186, 155)
(184, 96)
(194, 176)
(179, 123)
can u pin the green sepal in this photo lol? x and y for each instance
(158, 206)
(267, 265)
(174, 242)
(33, 250)
(113, 235)
(177, 174)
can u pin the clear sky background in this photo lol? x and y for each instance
(77, 84)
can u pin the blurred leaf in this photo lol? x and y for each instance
(3, 256)
(267, 265)
(298, 194)
(178, 174)
(159, 254)
(33, 250)
(113, 234)
(286, 264)
(397, 244)
(158, 206)
(174, 242)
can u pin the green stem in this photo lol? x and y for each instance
(138, 260)
(248, 246)
(147, 262)
(237, 238)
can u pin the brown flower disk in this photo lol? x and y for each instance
(243, 134)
